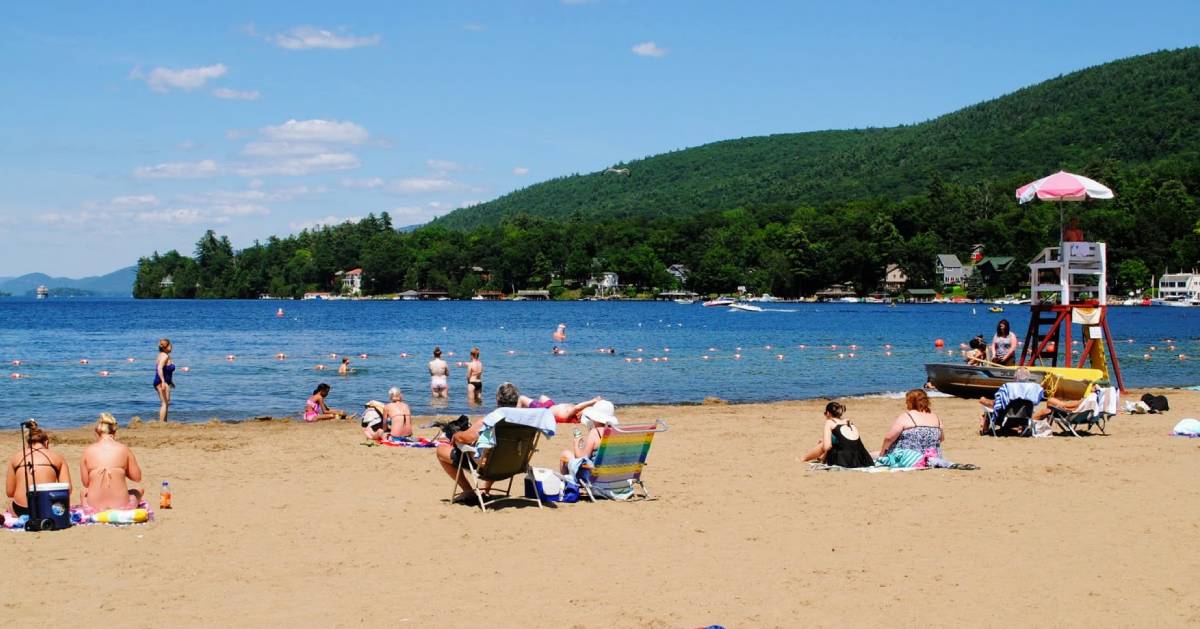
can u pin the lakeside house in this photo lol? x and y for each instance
(167, 282)
(488, 295)
(1179, 287)
(410, 295)
(989, 269)
(894, 279)
(533, 295)
(952, 271)
(351, 281)
(836, 292)
(318, 295)
(920, 295)
(606, 284)
(679, 272)
(671, 295)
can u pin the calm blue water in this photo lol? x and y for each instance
(51, 337)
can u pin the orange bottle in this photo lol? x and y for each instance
(164, 496)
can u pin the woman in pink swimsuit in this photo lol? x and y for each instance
(315, 409)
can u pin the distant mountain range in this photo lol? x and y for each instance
(117, 283)
(1139, 111)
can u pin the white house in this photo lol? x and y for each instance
(352, 282)
(950, 269)
(680, 272)
(1179, 287)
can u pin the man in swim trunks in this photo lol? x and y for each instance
(46, 465)
(439, 372)
(475, 378)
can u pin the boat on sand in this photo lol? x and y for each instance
(973, 381)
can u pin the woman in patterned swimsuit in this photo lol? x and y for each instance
(917, 429)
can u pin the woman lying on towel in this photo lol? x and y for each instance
(563, 413)
(915, 439)
(105, 469)
(841, 444)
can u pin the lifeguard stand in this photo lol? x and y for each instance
(1068, 285)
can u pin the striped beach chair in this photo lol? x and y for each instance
(617, 465)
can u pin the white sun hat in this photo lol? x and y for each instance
(602, 412)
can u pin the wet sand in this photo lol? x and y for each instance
(281, 523)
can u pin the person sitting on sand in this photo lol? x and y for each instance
(841, 444)
(916, 430)
(316, 410)
(38, 461)
(439, 374)
(600, 413)
(507, 396)
(563, 413)
(1019, 389)
(105, 468)
(398, 416)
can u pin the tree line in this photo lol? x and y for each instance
(789, 250)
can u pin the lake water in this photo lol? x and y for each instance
(51, 337)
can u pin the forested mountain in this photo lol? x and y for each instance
(791, 214)
(1141, 110)
(119, 282)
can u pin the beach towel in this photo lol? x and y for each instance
(407, 442)
(821, 467)
(1187, 428)
(82, 516)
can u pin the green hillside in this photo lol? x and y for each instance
(1141, 110)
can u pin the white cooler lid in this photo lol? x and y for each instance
(51, 486)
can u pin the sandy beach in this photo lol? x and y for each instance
(281, 523)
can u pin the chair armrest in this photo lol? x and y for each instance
(659, 426)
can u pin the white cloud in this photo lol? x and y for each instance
(319, 222)
(301, 165)
(442, 166)
(277, 149)
(418, 185)
(221, 198)
(178, 170)
(165, 79)
(242, 209)
(520, 171)
(649, 49)
(329, 131)
(227, 94)
(181, 216)
(134, 200)
(310, 37)
(367, 183)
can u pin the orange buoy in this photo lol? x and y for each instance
(83, 361)
(279, 313)
(939, 343)
(103, 373)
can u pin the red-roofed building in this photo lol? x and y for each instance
(352, 282)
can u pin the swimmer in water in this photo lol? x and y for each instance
(164, 370)
(560, 334)
(344, 368)
(475, 378)
(439, 373)
(558, 351)
(563, 413)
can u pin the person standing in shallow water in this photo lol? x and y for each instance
(439, 373)
(475, 378)
(164, 372)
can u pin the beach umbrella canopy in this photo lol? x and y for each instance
(1063, 186)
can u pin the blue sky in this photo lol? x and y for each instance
(133, 127)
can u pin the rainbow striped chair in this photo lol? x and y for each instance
(617, 466)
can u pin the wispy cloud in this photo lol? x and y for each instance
(313, 223)
(648, 49)
(165, 79)
(419, 185)
(134, 200)
(295, 167)
(442, 166)
(317, 130)
(279, 149)
(311, 37)
(225, 93)
(367, 183)
(179, 170)
(181, 216)
(520, 171)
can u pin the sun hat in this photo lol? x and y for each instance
(602, 412)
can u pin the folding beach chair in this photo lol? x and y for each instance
(1093, 411)
(515, 445)
(617, 465)
(1013, 408)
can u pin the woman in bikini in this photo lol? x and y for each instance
(398, 416)
(841, 444)
(315, 409)
(164, 370)
(106, 468)
(564, 413)
(44, 464)
(475, 378)
(439, 373)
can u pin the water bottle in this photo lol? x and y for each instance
(164, 496)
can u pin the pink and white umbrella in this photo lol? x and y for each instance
(1063, 186)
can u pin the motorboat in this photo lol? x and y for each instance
(685, 302)
(745, 307)
(720, 301)
(995, 309)
(974, 381)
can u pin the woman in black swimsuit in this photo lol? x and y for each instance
(44, 464)
(841, 444)
(164, 370)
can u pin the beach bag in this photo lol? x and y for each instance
(1157, 403)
